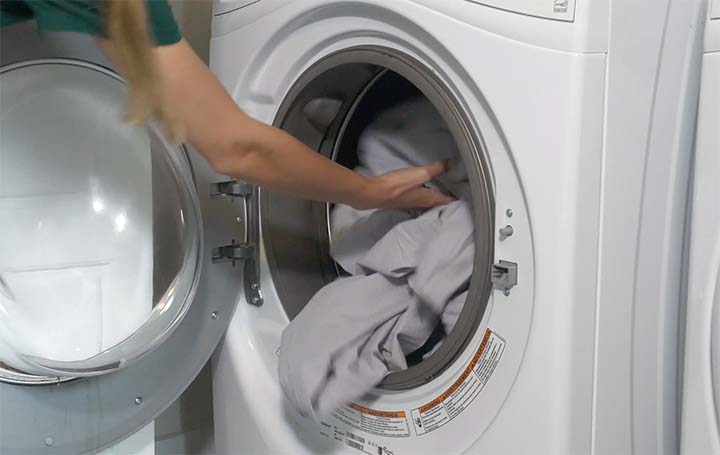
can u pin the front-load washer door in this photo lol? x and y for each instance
(99, 251)
(110, 297)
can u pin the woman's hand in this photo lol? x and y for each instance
(404, 189)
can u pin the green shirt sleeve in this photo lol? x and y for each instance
(85, 16)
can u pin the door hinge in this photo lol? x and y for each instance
(253, 292)
(244, 250)
(232, 253)
(505, 276)
(231, 188)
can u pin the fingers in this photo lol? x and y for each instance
(417, 176)
(423, 198)
(437, 169)
(405, 188)
(437, 199)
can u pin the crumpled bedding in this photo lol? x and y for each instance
(409, 272)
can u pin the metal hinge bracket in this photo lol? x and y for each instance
(233, 253)
(231, 188)
(244, 250)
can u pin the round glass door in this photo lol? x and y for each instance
(100, 233)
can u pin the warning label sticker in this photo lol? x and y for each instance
(464, 390)
(390, 424)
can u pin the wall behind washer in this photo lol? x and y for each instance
(195, 19)
(186, 427)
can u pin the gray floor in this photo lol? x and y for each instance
(186, 428)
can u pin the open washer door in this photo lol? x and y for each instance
(120, 261)
(701, 385)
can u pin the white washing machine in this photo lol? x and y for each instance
(701, 387)
(576, 119)
(115, 287)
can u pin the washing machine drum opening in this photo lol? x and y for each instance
(100, 233)
(371, 111)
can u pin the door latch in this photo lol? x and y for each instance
(505, 275)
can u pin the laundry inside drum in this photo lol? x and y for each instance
(418, 249)
(374, 120)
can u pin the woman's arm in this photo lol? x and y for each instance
(241, 147)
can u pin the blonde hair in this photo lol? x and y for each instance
(126, 23)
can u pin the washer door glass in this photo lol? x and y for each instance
(100, 225)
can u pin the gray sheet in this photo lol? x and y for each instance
(411, 273)
(354, 232)
(358, 329)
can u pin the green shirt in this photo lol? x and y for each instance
(84, 16)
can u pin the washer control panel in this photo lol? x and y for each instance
(561, 10)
